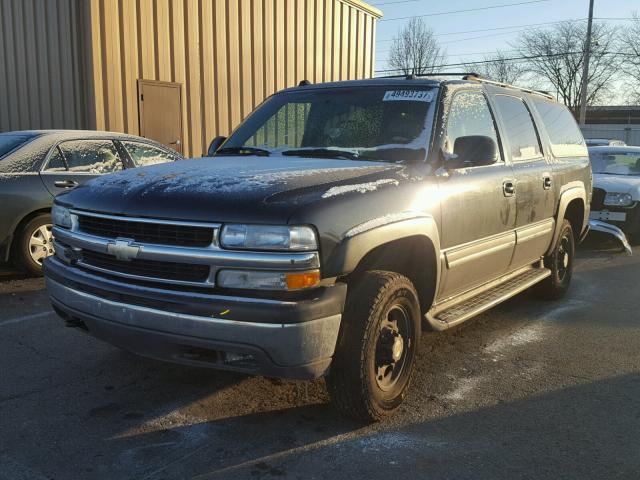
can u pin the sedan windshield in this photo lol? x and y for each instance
(365, 123)
(616, 162)
(9, 143)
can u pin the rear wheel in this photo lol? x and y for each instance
(560, 262)
(34, 243)
(373, 364)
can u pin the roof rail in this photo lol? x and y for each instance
(414, 76)
(478, 78)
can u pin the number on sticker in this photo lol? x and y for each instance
(408, 95)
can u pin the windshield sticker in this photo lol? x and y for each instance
(408, 96)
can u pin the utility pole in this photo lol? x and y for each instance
(585, 68)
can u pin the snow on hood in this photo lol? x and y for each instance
(233, 175)
(618, 183)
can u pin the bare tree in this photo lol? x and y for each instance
(557, 55)
(630, 47)
(498, 67)
(415, 49)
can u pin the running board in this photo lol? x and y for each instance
(463, 307)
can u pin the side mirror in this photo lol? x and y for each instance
(215, 145)
(473, 151)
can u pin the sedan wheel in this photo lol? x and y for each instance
(41, 243)
(33, 243)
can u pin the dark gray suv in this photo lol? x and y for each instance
(36, 165)
(335, 224)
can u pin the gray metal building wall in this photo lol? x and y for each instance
(41, 76)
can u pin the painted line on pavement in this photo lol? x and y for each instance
(26, 318)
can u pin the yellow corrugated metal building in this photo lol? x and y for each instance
(178, 71)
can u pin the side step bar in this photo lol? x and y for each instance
(463, 307)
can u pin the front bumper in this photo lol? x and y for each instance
(281, 338)
(626, 218)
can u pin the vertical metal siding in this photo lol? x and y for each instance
(41, 77)
(228, 55)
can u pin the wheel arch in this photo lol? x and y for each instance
(572, 206)
(410, 247)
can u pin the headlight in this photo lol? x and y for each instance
(268, 237)
(61, 216)
(262, 280)
(618, 199)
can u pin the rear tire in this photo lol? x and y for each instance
(380, 333)
(560, 262)
(33, 243)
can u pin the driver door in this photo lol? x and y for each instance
(478, 203)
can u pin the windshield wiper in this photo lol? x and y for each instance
(243, 151)
(322, 153)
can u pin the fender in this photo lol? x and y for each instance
(360, 240)
(570, 192)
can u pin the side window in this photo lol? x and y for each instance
(520, 129)
(566, 138)
(56, 162)
(469, 114)
(91, 156)
(143, 154)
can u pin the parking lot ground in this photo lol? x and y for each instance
(528, 390)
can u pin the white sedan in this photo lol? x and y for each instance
(616, 188)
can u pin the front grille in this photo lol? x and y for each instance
(597, 201)
(147, 268)
(146, 232)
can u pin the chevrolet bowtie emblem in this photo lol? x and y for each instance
(123, 249)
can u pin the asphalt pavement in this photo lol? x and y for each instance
(528, 390)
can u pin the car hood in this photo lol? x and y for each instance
(618, 183)
(230, 189)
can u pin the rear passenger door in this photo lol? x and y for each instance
(534, 179)
(478, 210)
(74, 162)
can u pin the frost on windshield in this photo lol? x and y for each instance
(369, 123)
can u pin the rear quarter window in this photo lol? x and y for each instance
(564, 134)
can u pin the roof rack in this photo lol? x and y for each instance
(478, 78)
(470, 76)
(414, 76)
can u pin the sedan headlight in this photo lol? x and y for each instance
(268, 237)
(267, 280)
(614, 199)
(60, 216)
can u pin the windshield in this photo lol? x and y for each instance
(616, 163)
(365, 123)
(8, 143)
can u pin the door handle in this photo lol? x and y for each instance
(509, 188)
(546, 183)
(65, 183)
(177, 142)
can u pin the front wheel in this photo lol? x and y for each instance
(373, 364)
(560, 262)
(34, 243)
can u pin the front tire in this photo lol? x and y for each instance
(560, 262)
(33, 243)
(380, 333)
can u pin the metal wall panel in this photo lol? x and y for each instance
(630, 134)
(228, 55)
(41, 75)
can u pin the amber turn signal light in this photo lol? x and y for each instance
(296, 281)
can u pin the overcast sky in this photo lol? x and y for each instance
(472, 45)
